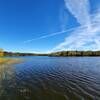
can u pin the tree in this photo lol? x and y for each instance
(1, 52)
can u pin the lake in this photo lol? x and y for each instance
(51, 78)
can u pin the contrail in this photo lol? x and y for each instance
(51, 35)
(57, 33)
(80, 10)
(83, 39)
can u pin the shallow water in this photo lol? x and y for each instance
(51, 78)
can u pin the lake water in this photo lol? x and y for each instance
(51, 78)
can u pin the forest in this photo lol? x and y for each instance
(76, 53)
(60, 53)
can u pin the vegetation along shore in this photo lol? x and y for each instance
(61, 53)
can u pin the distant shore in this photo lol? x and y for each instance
(76, 53)
(60, 53)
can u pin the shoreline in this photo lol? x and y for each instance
(10, 60)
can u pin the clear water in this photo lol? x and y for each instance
(51, 78)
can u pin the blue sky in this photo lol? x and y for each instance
(34, 25)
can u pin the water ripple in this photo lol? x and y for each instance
(52, 78)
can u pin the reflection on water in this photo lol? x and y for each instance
(51, 78)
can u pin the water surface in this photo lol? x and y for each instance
(51, 78)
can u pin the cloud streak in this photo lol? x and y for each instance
(50, 35)
(79, 9)
(83, 39)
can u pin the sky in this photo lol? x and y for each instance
(49, 25)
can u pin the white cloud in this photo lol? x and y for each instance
(83, 38)
(79, 9)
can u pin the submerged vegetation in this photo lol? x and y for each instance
(10, 60)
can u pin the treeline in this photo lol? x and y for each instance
(22, 54)
(76, 53)
(61, 53)
(17, 54)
